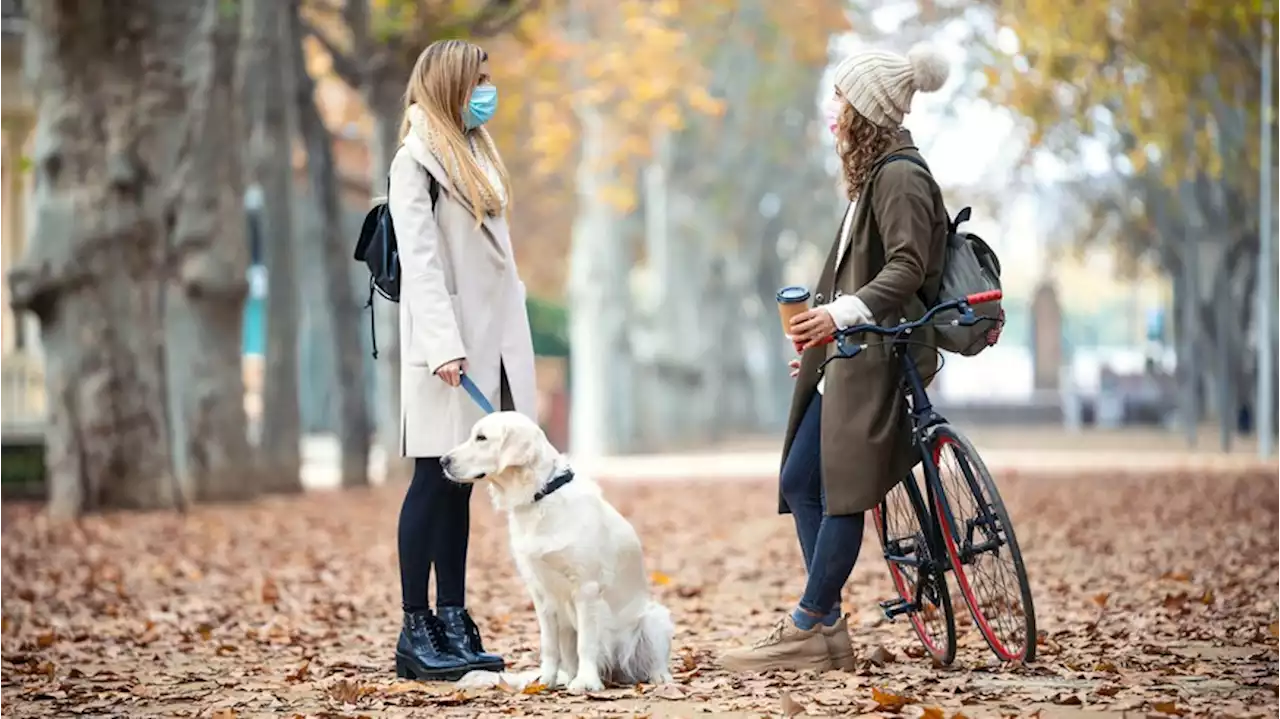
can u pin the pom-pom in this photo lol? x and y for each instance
(929, 68)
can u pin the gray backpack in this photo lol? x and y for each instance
(970, 266)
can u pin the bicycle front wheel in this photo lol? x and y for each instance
(983, 548)
(918, 575)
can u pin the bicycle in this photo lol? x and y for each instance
(932, 535)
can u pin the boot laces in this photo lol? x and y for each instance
(471, 631)
(775, 635)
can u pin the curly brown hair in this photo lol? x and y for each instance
(859, 142)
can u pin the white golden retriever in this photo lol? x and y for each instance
(579, 558)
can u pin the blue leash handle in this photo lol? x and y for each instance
(476, 394)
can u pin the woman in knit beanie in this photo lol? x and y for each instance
(848, 437)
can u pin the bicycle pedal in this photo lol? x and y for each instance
(892, 608)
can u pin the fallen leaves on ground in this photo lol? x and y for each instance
(1154, 597)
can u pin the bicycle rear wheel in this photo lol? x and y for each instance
(901, 522)
(983, 548)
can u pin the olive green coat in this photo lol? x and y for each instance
(896, 247)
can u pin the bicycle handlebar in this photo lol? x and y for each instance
(967, 319)
(965, 304)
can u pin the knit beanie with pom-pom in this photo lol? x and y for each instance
(880, 84)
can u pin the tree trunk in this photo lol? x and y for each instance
(205, 301)
(344, 314)
(264, 66)
(386, 107)
(137, 276)
(598, 300)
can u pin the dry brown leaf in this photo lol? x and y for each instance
(933, 713)
(1108, 690)
(881, 656)
(687, 661)
(668, 691)
(270, 592)
(1170, 708)
(659, 579)
(790, 707)
(534, 688)
(405, 687)
(345, 691)
(886, 701)
(1101, 598)
(301, 674)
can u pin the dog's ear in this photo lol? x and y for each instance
(518, 448)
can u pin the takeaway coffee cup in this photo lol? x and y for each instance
(791, 302)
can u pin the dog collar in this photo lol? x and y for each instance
(556, 482)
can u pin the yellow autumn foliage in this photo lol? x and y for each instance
(1159, 72)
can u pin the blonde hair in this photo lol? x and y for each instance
(441, 84)
(859, 142)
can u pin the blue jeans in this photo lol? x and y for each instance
(830, 544)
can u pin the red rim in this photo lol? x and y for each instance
(900, 582)
(962, 579)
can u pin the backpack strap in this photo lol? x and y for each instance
(433, 187)
(951, 225)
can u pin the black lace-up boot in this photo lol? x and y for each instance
(463, 639)
(422, 652)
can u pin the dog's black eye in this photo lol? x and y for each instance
(481, 438)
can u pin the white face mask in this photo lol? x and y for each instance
(831, 108)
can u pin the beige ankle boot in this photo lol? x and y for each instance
(839, 646)
(786, 647)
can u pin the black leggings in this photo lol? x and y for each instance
(435, 521)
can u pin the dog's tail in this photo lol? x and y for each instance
(646, 652)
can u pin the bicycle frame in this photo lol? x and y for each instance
(924, 417)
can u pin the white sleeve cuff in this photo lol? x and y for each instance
(848, 310)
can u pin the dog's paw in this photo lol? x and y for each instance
(582, 684)
(549, 677)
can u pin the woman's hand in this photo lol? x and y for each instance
(451, 372)
(810, 328)
(794, 365)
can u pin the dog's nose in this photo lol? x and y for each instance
(445, 462)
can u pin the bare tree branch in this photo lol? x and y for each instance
(356, 14)
(497, 16)
(344, 65)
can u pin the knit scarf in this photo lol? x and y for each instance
(493, 197)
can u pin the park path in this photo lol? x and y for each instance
(1044, 452)
(1156, 596)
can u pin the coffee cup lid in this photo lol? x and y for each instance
(789, 295)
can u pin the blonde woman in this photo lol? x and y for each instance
(462, 311)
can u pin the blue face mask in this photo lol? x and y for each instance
(481, 106)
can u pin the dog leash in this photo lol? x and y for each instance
(476, 394)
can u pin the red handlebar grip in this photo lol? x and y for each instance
(979, 298)
(819, 343)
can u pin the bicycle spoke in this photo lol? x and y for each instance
(986, 566)
(913, 570)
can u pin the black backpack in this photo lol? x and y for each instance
(377, 248)
(970, 266)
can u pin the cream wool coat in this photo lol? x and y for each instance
(460, 297)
